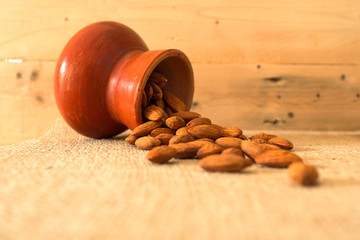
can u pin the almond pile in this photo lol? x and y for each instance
(173, 132)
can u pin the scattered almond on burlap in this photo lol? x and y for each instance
(131, 139)
(262, 137)
(202, 142)
(183, 138)
(229, 142)
(182, 130)
(175, 122)
(224, 163)
(198, 121)
(281, 142)
(209, 149)
(186, 134)
(185, 150)
(231, 132)
(161, 154)
(277, 158)
(145, 128)
(158, 131)
(164, 138)
(303, 173)
(147, 142)
(187, 115)
(236, 151)
(204, 131)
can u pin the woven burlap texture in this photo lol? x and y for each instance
(65, 186)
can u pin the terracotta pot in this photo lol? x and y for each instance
(102, 72)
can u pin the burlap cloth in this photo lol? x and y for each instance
(64, 186)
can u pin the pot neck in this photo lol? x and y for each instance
(129, 76)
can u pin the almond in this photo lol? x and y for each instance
(198, 121)
(243, 137)
(158, 131)
(277, 158)
(146, 128)
(206, 140)
(162, 85)
(204, 131)
(200, 142)
(219, 127)
(149, 92)
(236, 151)
(182, 130)
(147, 142)
(161, 154)
(231, 132)
(154, 113)
(164, 138)
(187, 115)
(157, 78)
(267, 146)
(165, 116)
(160, 103)
(131, 139)
(303, 173)
(229, 142)
(157, 92)
(208, 149)
(281, 142)
(251, 149)
(183, 138)
(185, 150)
(143, 100)
(175, 122)
(262, 137)
(224, 163)
(168, 111)
(174, 102)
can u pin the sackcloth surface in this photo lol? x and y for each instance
(65, 186)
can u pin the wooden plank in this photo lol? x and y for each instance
(27, 105)
(248, 96)
(279, 97)
(247, 32)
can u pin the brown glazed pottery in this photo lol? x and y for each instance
(102, 72)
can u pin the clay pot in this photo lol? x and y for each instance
(101, 73)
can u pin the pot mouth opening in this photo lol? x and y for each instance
(176, 68)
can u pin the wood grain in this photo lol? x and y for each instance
(296, 32)
(258, 64)
(271, 97)
(279, 96)
(27, 104)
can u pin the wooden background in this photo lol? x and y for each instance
(258, 64)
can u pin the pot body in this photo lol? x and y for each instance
(101, 73)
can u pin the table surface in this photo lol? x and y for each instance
(65, 186)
